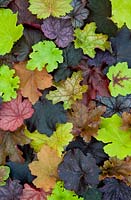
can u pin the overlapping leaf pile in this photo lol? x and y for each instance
(65, 100)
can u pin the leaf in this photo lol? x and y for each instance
(59, 29)
(120, 77)
(45, 168)
(4, 3)
(78, 14)
(114, 189)
(119, 141)
(78, 170)
(100, 13)
(59, 192)
(126, 121)
(13, 113)
(88, 40)
(9, 32)
(8, 83)
(121, 8)
(4, 174)
(32, 81)
(46, 116)
(45, 8)
(45, 53)
(92, 194)
(114, 105)
(58, 140)
(85, 120)
(30, 193)
(10, 190)
(8, 145)
(68, 91)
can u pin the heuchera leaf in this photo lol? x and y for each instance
(126, 121)
(11, 190)
(120, 77)
(45, 53)
(78, 170)
(92, 194)
(13, 113)
(114, 189)
(45, 168)
(68, 91)
(4, 3)
(58, 140)
(59, 29)
(114, 105)
(32, 81)
(60, 193)
(9, 32)
(119, 140)
(8, 83)
(45, 8)
(30, 193)
(4, 174)
(121, 8)
(88, 40)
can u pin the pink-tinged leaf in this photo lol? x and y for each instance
(30, 193)
(13, 113)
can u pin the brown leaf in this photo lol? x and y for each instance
(85, 120)
(126, 121)
(8, 145)
(45, 168)
(32, 81)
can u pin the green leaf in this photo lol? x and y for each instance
(45, 8)
(88, 40)
(58, 140)
(68, 91)
(8, 83)
(60, 193)
(120, 77)
(9, 32)
(119, 140)
(121, 12)
(4, 174)
(44, 54)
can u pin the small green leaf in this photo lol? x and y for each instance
(88, 40)
(120, 77)
(9, 32)
(8, 83)
(44, 54)
(4, 174)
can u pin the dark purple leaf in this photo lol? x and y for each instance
(4, 3)
(59, 29)
(92, 194)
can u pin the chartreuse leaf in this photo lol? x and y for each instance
(119, 140)
(121, 12)
(88, 40)
(60, 193)
(45, 8)
(9, 32)
(58, 140)
(120, 77)
(45, 53)
(8, 83)
(4, 174)
(68, 91)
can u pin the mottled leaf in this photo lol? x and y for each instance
(4, 3)
(4, 174)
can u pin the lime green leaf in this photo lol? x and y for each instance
(88, 40)
(45, 53)
(121, 12)
(119, 140)
(58, 140)
(120, 77)
(68, 91)
(9, 32)
(4, 174)
(60, 193)
(8, 83)
(45, 8)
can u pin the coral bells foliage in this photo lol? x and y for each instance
(65, 100)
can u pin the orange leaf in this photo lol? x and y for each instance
(32, 81)
(45, 168)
